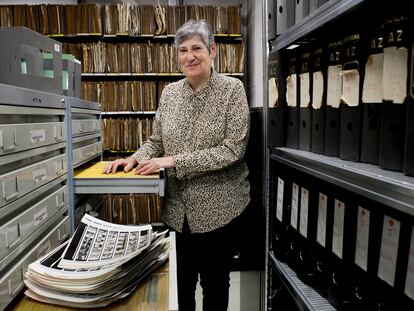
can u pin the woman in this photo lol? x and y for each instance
(200, 135)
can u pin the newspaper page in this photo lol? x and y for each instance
(97, 243)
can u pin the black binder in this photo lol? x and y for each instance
(318, 113)
(332, 116)
(409, 145)
(276, 110)
(343, 250)
(280, 233)
(371, 122)
(393, 120)
(305, 124)
(292, 124)
(350, 137)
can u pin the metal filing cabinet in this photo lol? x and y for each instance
(33, 174)
(85, 141)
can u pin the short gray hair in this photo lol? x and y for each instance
(193, 28)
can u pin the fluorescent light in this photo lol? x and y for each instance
(292, 46)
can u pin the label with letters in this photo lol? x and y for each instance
(304, 212)
(338, 229)
(362, 238)
(291, 90)
(389, 250)
(304, 90)
(37, 136)
(280, 193)
(295, 203)
(39, 216)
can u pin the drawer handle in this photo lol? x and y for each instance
(58, 132)
(80, 127)
(62, 203)
(11, 146)
(17, 240)
(12, 195)
(15, 291)
(59, 167)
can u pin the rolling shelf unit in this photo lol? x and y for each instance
(34, 193)
(392, 189)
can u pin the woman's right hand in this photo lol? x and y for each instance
(112, 167)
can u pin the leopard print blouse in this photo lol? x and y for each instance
(206, 133)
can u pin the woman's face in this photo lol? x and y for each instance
(195, 59)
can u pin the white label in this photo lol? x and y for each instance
(334, 86)
(37, 136)
(39, 216)
(321, 230)
(317, 90)
(389, 250)
(273, 93)
(295, 202)
(304, 212)
(304, 90)
(291, 90)
(280, 193)
(39, 175)
(372, 89)
(57, 48)
(362, 238)
(350, 87)
(395, 74)
(409, 281)
(338, 229)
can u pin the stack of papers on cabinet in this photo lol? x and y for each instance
(100, 264)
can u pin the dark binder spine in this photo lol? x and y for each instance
(371, 123)
(292, 124)
(305, 114)
(318, 104)
(350, 130)
(332, 116)
(393, 115)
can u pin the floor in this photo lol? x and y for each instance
(244, 294)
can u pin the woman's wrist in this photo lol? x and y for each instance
(132, 161)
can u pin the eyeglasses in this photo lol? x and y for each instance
(195, 50)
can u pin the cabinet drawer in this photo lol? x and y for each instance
(20, 182)
(20, 137)
(12, 282)
(87, 152)
(85, 126)
(22, 226)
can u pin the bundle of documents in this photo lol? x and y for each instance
(100, 264)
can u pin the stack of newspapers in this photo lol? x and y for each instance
(100, 264)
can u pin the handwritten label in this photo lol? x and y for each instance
(304, 89)
(291, 90)
(304, 212)
(338, 229)
(317, 90)
(372, 89)
(295, 202)
(409, 281)
(39, 216)
(280, 193)
(322, 209)
(350, 87)
(273, 93)
(362, 238)
(389, 250)
(334, 86)
(395, 74)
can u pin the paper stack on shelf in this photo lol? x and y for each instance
(100, 264)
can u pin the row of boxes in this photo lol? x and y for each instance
(355, 252)
(283, 14)
(352, 98)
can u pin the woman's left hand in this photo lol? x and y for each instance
(153, 165)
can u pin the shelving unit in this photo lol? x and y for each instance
(389, 192)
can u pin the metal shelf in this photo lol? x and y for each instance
(327, 12)
(390, 188)
(306, 297)
(116, 113)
